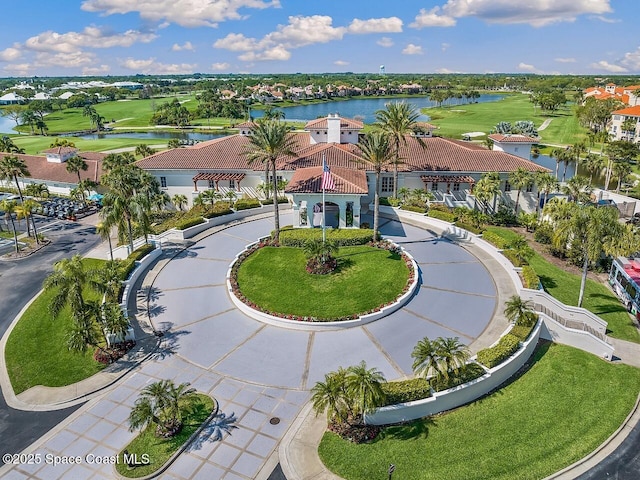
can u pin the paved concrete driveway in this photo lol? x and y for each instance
(261, 374)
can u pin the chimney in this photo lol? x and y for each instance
(333, 128)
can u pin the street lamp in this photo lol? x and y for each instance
(392, 469)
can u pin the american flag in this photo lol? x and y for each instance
(327, 179)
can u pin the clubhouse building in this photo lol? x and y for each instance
(447, 168)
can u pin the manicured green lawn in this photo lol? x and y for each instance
(36, 351)
(276, 279)
(566, 405)
(36, 144)
(598, 298)
(195, 412)
(482, 117)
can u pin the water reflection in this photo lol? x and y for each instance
(550, 163)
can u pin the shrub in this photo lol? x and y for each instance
(471, 371)
(530, 278)
(269, 201)
(469, 227)
(544, 233)
(503, 217)
(495, 239)
(384, 201)
(246, 203)
(299, 236)
(440, 207)
(406, 391)
(414, 208)
(521, 332)
(189, 223)
(513, 258)
(507, 346)
(440, 215)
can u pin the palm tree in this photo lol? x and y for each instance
(521, 249)
(452, 355)
(594, 164)
(546, 183)
(566, 157)
(25, 210)
(317, 249)
(210, 197)
(28, 117)
(426, 360)
(331, 396)
(377, 150)
(403, 192)
(516, 309)
(12, 167)
(7, 145)
(89, 111)
(180, 201)
(578, 189)
(39, 190)
(159, 403)
(74, 165)
(270, 141)
(556, 153)
(621, 170)
(9, 208)
(84, 330)
(365, 388)
(68, 279)
(520, 178)
(144, 150)
(107, 279)
(104, 230)
(397, 120)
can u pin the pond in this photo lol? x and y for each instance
(550, 163)
(7, 125)
(361, 108)
(193, 136)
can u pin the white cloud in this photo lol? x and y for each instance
(90, 37)
(151, 66)
(100, 70)
(278, 52)
(376, 25)
(445, 46)
(446, 71)
(19, 69)
(219, 66)
(237, 42)
(537, 13)
(412, 49)
(64, 59)
(303, 31)
(10, 54)
(185, 46)
(608, 67)
(632, 60)
(432, 18)
(526, 67)
(605, 19)
(187, 13)
(565, 60)
(341, 63)
(385, 42)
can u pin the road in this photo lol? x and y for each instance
(20, 280)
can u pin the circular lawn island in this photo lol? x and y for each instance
(276, 281)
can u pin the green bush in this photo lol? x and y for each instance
(247, 203)
(269, 201)
(297, 237)
(513, 258)
(130, 262)
(544, 233)
(189, 223)
(406, 391)
(469, 227)
(384, 201)
(471, 371)
(440, 215)
(495, 240)
(507, 346)
(530, 278)
(521, 332)
(414, 208)
(440, 207)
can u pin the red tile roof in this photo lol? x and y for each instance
(512, 138)
(439, 154)
(347, 181)
(345, 124)
(40, 169)
(629, 111)
(61, 150)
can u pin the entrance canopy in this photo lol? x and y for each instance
(346, 181)
(448, 179)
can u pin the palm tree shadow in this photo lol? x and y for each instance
(219, 425)
(155, 310)
(150, 293)
(412, 430)
(169, 344)
(547, 281)
(344, 264)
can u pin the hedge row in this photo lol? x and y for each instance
(190, 223)
(530, 277)
(129, 263)
(495, 239)
(469, 227)
(246, 203)
(413, 208)
(406, 391)
(471, 371)
(269, 201)
(507, 346)
(217, 213)
(297, 237)
(440, 215)
(521, 332)
(510, 254)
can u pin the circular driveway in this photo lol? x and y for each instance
(259, 374)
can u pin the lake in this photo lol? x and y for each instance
(200, 137)
(361, 108)
(7, 125)
(550, 163)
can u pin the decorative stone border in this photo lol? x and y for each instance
(311, 325)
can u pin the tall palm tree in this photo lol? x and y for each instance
(594, 165)
(546, 183)
(365, 387)
(377, 150)
(520, 178)
(84, 330)
(452, 355)
(516, 308)
(269, 142)
(578, 189)
(398, 119)
(621, 170)
(25, 210)
(68, 279)
(74, 165)
(556, 153)
(9, 208)
(89, 111)
(12, 167)
(180, 201)
(426, 358)
(104, 230)
(331, 396)
(566, 157)
(107, 279)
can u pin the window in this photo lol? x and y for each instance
(507, 186)
(163, 182)
(456, 187)
(529, 188)
(387, 184)
(212, 184)
(434, 186)
(232, 184)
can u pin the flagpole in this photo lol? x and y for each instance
(324, 234)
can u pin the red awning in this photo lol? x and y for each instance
(219, 176)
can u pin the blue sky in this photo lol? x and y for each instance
(124, 37)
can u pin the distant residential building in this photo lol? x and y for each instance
(518, 145)
(628, 95)
(11, 98)
(618, 119)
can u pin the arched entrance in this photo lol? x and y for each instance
(332, 215)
